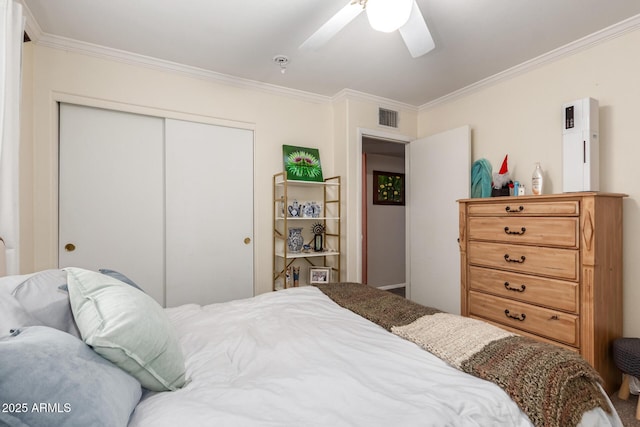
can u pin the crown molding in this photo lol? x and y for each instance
(89, 49)
(350, 94)
(31, 26)
(606, 34)
(70, 45)
(62, 43)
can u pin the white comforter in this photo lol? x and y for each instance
(295, 358)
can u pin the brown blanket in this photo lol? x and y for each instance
(552, 385)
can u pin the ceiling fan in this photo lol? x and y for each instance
(384, 15)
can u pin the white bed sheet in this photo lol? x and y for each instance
(295, 358)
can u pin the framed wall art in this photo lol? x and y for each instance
(302, 163)
(388, 188)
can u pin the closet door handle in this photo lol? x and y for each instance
(69, 247)
(247, 240)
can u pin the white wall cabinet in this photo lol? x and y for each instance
(160, 200)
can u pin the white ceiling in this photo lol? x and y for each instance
(475, 39)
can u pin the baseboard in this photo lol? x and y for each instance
(387, 287)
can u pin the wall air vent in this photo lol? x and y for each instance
(387, 117)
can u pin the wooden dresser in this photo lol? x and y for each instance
(549, 267)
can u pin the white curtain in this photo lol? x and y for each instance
(11, 34)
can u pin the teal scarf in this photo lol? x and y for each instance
(481, 173)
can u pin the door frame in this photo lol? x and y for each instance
(377, 134)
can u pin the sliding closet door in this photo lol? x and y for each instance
(111, 196)
(209, 213)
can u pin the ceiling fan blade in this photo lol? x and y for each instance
(416, 34)
(332, 26)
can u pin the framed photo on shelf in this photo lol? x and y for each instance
(319, 275)
(388, 188)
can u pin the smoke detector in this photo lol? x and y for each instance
(282, 61)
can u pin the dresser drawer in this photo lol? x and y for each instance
(527, 334)
(514, 207)
(552, 324)
(553, 262)
(551, 293)
(553, 231)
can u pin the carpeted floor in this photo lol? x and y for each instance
(626, 409)
(398, 291)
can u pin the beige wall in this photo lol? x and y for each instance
(522, 117)
(54, 75)
(26, 161)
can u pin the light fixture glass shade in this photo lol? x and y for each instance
(388, 15)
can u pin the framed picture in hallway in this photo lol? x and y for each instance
(388, 188)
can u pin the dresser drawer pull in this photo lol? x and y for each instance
(519, 317)
(510, 210)
(520, 261)
(554, 317)
(520, 233)
(508, 286)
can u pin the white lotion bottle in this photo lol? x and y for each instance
(536, 180)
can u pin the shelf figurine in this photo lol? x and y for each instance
(288, 281)
(296, 276)
(318, 230)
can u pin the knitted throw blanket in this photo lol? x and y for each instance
(552, 385)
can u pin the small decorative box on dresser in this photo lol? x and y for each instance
(548, 267)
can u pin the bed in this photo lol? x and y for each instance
(91, 348)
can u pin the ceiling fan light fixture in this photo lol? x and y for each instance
(388, 15)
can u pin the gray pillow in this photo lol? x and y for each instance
(9, 283)
(42, 298)
(56, 371)
(13, 315)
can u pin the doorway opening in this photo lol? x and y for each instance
(383, 225)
